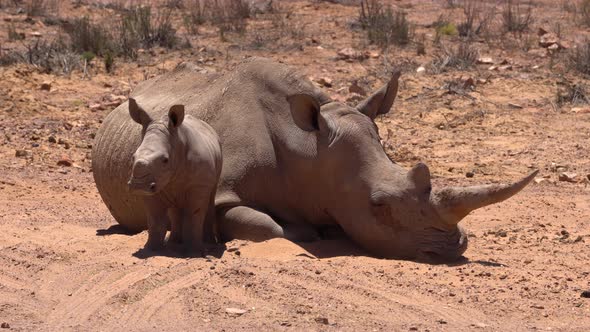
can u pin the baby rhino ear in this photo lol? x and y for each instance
(176, 115)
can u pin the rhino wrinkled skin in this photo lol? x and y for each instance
(295, 160)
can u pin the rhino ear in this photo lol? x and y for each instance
(137, 113)
(419, 175)
(305, 110)
(381, 101)
(176, 115)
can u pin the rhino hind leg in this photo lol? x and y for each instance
(245, 223)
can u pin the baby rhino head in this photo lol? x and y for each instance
(154, 160)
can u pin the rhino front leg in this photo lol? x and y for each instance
(175, 225)
(157, 222)
(245, 223)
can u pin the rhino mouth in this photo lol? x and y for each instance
(450, 250)
(142, 186)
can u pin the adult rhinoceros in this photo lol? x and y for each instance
(293, 160)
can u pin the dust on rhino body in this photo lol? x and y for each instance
(294, 159)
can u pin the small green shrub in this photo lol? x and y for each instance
(448, 29)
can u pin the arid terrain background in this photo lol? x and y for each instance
(481, 103)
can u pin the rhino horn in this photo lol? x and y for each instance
(454, 203)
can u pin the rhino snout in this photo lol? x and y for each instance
(142, 187)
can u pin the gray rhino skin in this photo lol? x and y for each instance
(293, 160)
(176, 169)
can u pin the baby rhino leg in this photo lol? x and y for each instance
(157, 222)
(175, 216)
(193, 223)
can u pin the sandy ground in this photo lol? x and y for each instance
(65, 265)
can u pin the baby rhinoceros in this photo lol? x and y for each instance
(176, 169)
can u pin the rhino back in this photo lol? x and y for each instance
(247, 107)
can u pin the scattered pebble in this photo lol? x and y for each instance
(325, 81)
(585, 294)
(469, 174)
(235, 311)
(485, 61)
(51, 139)
(322, 320)
(65, 161)
(568, 177)
(21, 153)
(355, 88)
(46, 86)
(5, 325)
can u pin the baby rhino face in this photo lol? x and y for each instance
(153, 161)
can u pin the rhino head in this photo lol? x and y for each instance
(388, 210)
(154, 160)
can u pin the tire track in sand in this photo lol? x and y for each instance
(86, 301)
(141, 311)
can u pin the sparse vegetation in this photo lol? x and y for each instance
(572, 93)
(461, 57)
(109, 62)
(448, 29)
(49, 57)
(194, 15)
(229, 16)
(477, 18)
(517, 16)
(90, 37)
(13, 35)
(584, 11)
(384, 25)
(579, 58)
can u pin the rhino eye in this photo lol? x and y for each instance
(165, 160)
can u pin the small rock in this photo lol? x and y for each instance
(322, 320)
(65, 161)
(46, 86)
(485, 61)
(373, 54)
(21, 153)
(548, 40)
(469, 174)
(5, 325)
(350, 54)
(68, 126)
(96, 107)
(421, 70)
(581, 110)
(513, 105)
(231, 249)
(568, 177)
(536, 306)
(539, 180)
(36, 34)
(585, 294)
(235, 311)
(325, 81)
(355, 88)
(51, 139)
